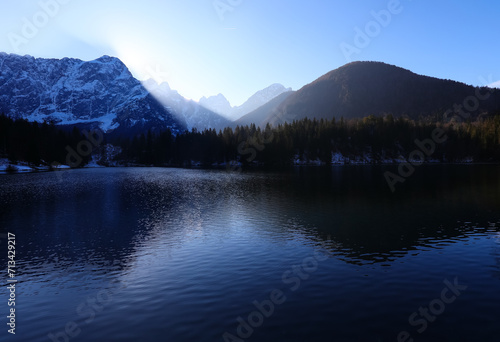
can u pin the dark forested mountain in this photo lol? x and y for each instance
(100, 93)
(360, 89)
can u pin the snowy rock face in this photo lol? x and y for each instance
(194, 114)
(71, 91)
(219, 104)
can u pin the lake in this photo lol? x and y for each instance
(307, 254)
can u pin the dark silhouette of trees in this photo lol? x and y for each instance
(35, 143)
(380, 138)
(376, 138)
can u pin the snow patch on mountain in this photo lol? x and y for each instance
(495, 85)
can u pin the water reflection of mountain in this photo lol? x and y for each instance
(104, 217)
(353, 205)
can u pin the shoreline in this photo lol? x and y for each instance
(23, 169)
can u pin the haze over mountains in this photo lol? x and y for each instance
(219, 104)
(103, 93)
(190, 112)
(269, 112)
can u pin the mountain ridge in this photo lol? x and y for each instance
(69, 91)
(192, 113)
(259, 115)
(219, 104)
(103, 93)
(359, 89)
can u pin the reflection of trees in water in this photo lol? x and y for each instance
(385, 247)
(155, 208)
(354, 207)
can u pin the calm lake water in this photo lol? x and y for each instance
(310, 254)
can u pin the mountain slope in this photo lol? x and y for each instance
(259, 99)
(260, 116)
(219, 104)
(101, 92)
(191, 112)
(364, 88)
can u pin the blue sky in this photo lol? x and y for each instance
(237, 47)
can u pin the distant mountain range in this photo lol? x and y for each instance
(103, 93)
(265, 113)
(219, 104)
(190, 112)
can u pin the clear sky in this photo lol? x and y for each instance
(237, 47)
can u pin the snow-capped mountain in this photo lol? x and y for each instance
(68, 91)
(219, 104)
(260, 98)
(195, 115)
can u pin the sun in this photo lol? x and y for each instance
(134, 59)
